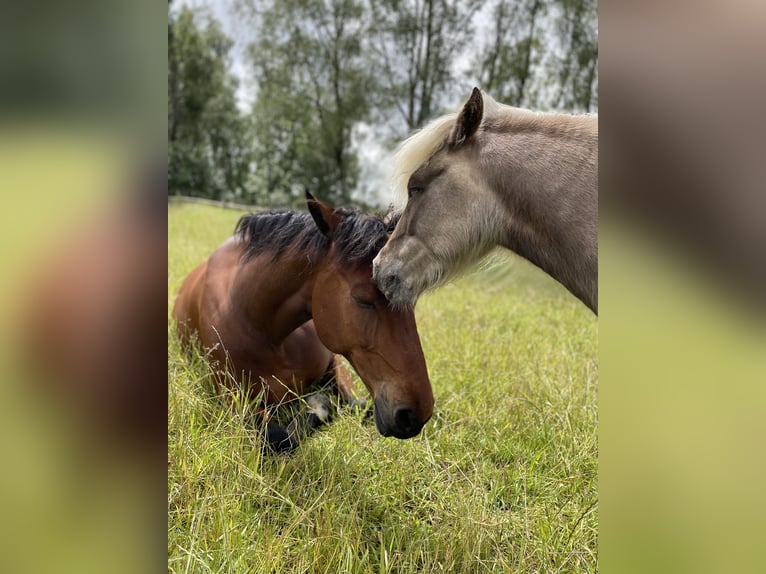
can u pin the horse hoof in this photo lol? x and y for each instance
(279, 440)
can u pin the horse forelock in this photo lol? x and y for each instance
(358, 237)
(414, 151)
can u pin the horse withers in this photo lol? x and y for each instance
(494, 175)
(277, 301)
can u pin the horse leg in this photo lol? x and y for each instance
(343, 384)
(286, 439)
(319, 412)
(277, 438)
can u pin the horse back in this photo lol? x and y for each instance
(207, 309)
(204, 291)
(186, 310)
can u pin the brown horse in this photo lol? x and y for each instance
(489, 176)
(277, 301)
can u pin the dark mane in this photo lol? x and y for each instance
(359, 236)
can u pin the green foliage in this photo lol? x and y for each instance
(577, 68)
(542, 54)
(312, 86)
(208, 140)
(502, 479)
(508, 62)
(413, 44)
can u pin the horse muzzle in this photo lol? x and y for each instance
(401, 422)
(389, 279)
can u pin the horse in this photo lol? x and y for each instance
(288, 292)
(495, 175)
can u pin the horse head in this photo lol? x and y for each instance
(354, 319)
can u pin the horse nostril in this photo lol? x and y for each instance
(406, 421)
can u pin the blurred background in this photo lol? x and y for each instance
(682, 263)
(82, 296)
(97, 98)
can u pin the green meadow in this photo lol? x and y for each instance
(503, 478)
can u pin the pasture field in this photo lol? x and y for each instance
(503, 478)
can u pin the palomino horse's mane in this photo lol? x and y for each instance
(425, 142)
(359, 236)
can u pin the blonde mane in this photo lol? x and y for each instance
(422, 144)
(416, 149)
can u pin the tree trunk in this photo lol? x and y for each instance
(524, 76)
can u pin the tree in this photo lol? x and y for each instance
(508, 62)
(413, 45)
(312, 88)
(543, 53)
(578, 66)
(208, 139)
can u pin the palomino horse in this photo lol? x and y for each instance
(489, 176)
(277, 300)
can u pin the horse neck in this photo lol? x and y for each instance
(275, 296)
(550, 205)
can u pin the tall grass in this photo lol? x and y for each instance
(502, 479)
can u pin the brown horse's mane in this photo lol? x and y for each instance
(359, 236)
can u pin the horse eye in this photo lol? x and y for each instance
(363, 303)
(414, 191)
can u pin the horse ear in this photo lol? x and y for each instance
(468, 120)
(326, 218)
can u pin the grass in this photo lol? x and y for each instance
(502, 479)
